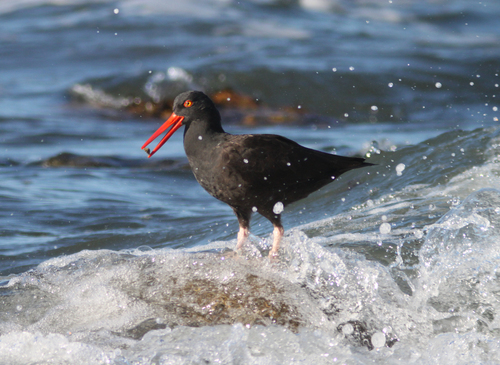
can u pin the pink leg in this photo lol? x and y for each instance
(242, 236)
(278, 233)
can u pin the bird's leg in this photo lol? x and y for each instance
(278, 233)
(244, 221)
(242, 236)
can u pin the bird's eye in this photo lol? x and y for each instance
(188, 103)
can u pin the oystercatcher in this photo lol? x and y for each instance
(250, 172)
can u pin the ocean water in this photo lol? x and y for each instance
(108, 257)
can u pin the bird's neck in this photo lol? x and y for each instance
(201, 138)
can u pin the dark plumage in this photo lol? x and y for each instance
(251, 172)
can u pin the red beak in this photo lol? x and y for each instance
(175, 121)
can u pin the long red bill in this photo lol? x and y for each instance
(175, 121)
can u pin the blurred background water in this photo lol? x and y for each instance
(398, 261)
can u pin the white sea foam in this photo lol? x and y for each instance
(140, 306)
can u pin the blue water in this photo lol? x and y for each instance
(98, 243)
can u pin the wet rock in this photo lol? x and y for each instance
(210, 292)
(7, 162)
(66, 159)
(235, 108)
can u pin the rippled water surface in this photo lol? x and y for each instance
(107, 256)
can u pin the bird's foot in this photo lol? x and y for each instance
(273, 256)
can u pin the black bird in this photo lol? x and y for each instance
(250, 172)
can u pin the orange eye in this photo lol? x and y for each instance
(188, 103)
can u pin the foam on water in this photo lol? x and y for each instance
(315, 305)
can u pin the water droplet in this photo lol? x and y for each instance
(385, 228)
(347, 329)
(245, 160)
(390, 84)
(200, 138)
(278, 208)
(378, 339)
(254, 209)
(400, 168)
(334, 69)
(439, 85)
(346, 115)
(288, 164)
(374, 108)
(351, 68)
(116, 11)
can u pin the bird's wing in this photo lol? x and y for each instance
(270, 162)
(281, 158)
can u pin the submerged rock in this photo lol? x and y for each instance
(66, 159)
(235, 107)
(213, 290)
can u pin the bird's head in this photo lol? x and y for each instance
(189, 107)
